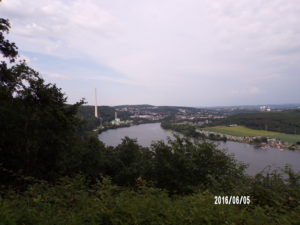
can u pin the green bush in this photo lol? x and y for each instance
(71, 201)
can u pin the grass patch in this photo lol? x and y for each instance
(290, 138)
(241, 131)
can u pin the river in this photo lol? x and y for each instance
(256, 158)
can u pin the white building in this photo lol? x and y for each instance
(265, 108)
(117, 120)
(96, 104)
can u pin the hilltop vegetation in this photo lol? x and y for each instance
(284, 122)
(52, 172)
(171, 183)
(72, 201)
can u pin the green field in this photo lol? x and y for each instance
(290, 138)
(241, 131)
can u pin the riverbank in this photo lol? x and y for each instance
(262, 139)
(258, 141)
(99, 130)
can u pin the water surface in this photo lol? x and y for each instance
(257, 158)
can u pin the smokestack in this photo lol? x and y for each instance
(96, 107)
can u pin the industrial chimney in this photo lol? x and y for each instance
(96, 107)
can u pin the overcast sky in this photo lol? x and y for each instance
(163, 52)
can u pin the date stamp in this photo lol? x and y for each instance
(232, 200)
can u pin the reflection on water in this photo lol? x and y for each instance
(257, 158)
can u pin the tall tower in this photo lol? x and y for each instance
(116, 116)
(96, 107)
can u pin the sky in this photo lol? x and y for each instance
(162, 52)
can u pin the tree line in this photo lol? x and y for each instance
(287, 121)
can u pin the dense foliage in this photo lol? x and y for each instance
(179, 166)
(37, 126)
(51, 172)
(190, 131)
(287, 121)
(185, 129)
(71, 201)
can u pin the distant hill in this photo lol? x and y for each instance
(287, 121)
(153, 107)
(136, 106)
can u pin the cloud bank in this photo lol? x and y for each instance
(170, 52)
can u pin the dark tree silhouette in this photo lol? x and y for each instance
(37, 127)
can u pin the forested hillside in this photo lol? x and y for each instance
(285, 122)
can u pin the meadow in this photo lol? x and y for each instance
(241, 131)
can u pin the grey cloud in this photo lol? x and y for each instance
(183, 43)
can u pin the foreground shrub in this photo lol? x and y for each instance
(73, 202)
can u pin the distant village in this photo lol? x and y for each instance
(155, 113)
